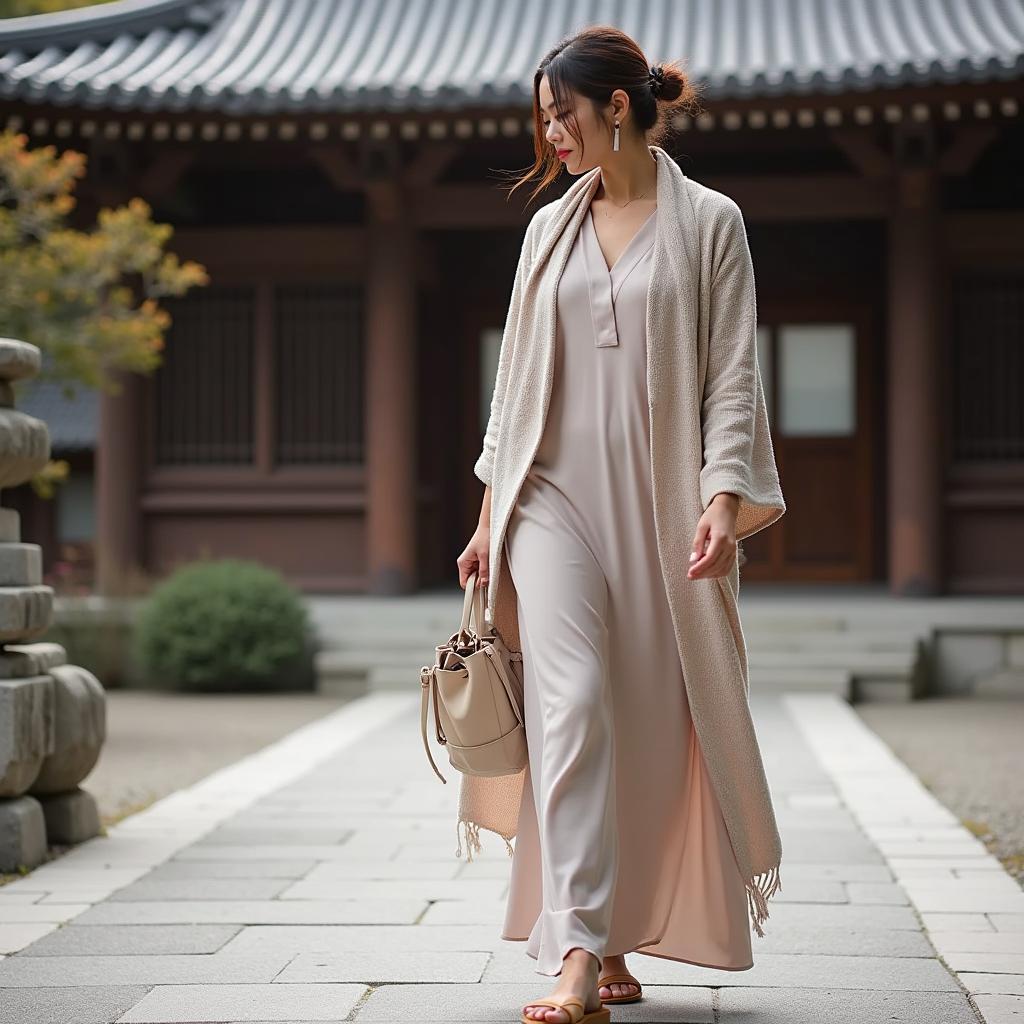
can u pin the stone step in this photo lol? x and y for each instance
(404, 626)
(343, 661)
(413, 634)
(848, 683)
(817, 680)
(847, 640)
(340, 673)
(870, 662)
(381, 644)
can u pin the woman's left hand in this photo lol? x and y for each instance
(714, 544)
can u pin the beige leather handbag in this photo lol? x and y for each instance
(478, 697)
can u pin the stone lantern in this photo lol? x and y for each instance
(52, 715)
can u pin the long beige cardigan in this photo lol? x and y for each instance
(709, 433)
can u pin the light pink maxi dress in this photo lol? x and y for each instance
(621, 843)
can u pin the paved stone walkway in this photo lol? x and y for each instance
(316, 881)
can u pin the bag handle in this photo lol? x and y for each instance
(472, 602)
(426, 679)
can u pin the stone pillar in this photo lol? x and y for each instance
(914, 434)
(52, 715)
(391, 398)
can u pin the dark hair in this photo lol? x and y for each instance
(594, 63)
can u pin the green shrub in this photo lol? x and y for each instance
(225, 624)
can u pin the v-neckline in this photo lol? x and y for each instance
(610, 271)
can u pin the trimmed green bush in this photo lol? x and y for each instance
(224, 625)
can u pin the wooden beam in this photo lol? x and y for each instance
(805, 197)
(429, 164)
(862, 151)
(161, 177)
(970, 141)
(335, 163)
(789, 198)
(989, 238)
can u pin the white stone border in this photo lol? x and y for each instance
(60, 889)
(971, 908)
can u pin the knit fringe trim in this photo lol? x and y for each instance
(759, 889)
(472, 830)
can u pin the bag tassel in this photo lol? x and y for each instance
(759, 889)
(472, 830)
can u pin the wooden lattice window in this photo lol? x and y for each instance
(298, 361)
(318, 374)
(204, 387)
(988, 366)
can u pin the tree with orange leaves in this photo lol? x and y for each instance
(88, 299)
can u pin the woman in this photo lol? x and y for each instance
(627, 424)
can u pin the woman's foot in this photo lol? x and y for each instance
(578, 978)
(616, 965)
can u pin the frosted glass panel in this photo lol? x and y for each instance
(764, 362)
(490, 348)
(76, 502)
(817, 379)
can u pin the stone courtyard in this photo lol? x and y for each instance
(316, 880)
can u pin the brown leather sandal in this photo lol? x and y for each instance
(621, 979)
(572, 1006)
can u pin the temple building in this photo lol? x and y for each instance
(339, 168)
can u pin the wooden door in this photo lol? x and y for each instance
(817, 367)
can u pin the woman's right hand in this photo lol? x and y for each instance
(475, 557)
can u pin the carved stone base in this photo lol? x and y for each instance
(22, 833)
(71, 817)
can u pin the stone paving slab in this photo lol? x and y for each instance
(10, 899)
(318, 881)
(354, 911)
(386, 966)
(190, 1004)
(484, 889)
(174, 870)
(993, 984)
(1007, 922)
(97, 1004)
(841, 1006)
(39, 913)
(16, 936)
(131, 940)
(997, 963)
(341, 939)
(274, 834)
(345, 853)
(1001, 1009)
(139, 969)
(156, 891)
(980, 942)
(396, 871)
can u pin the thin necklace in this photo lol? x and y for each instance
(624, 205)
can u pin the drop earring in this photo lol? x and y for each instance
(615, 138)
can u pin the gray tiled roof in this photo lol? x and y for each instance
(73, 422)
(361, 55)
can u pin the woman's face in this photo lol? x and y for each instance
(596, 139)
